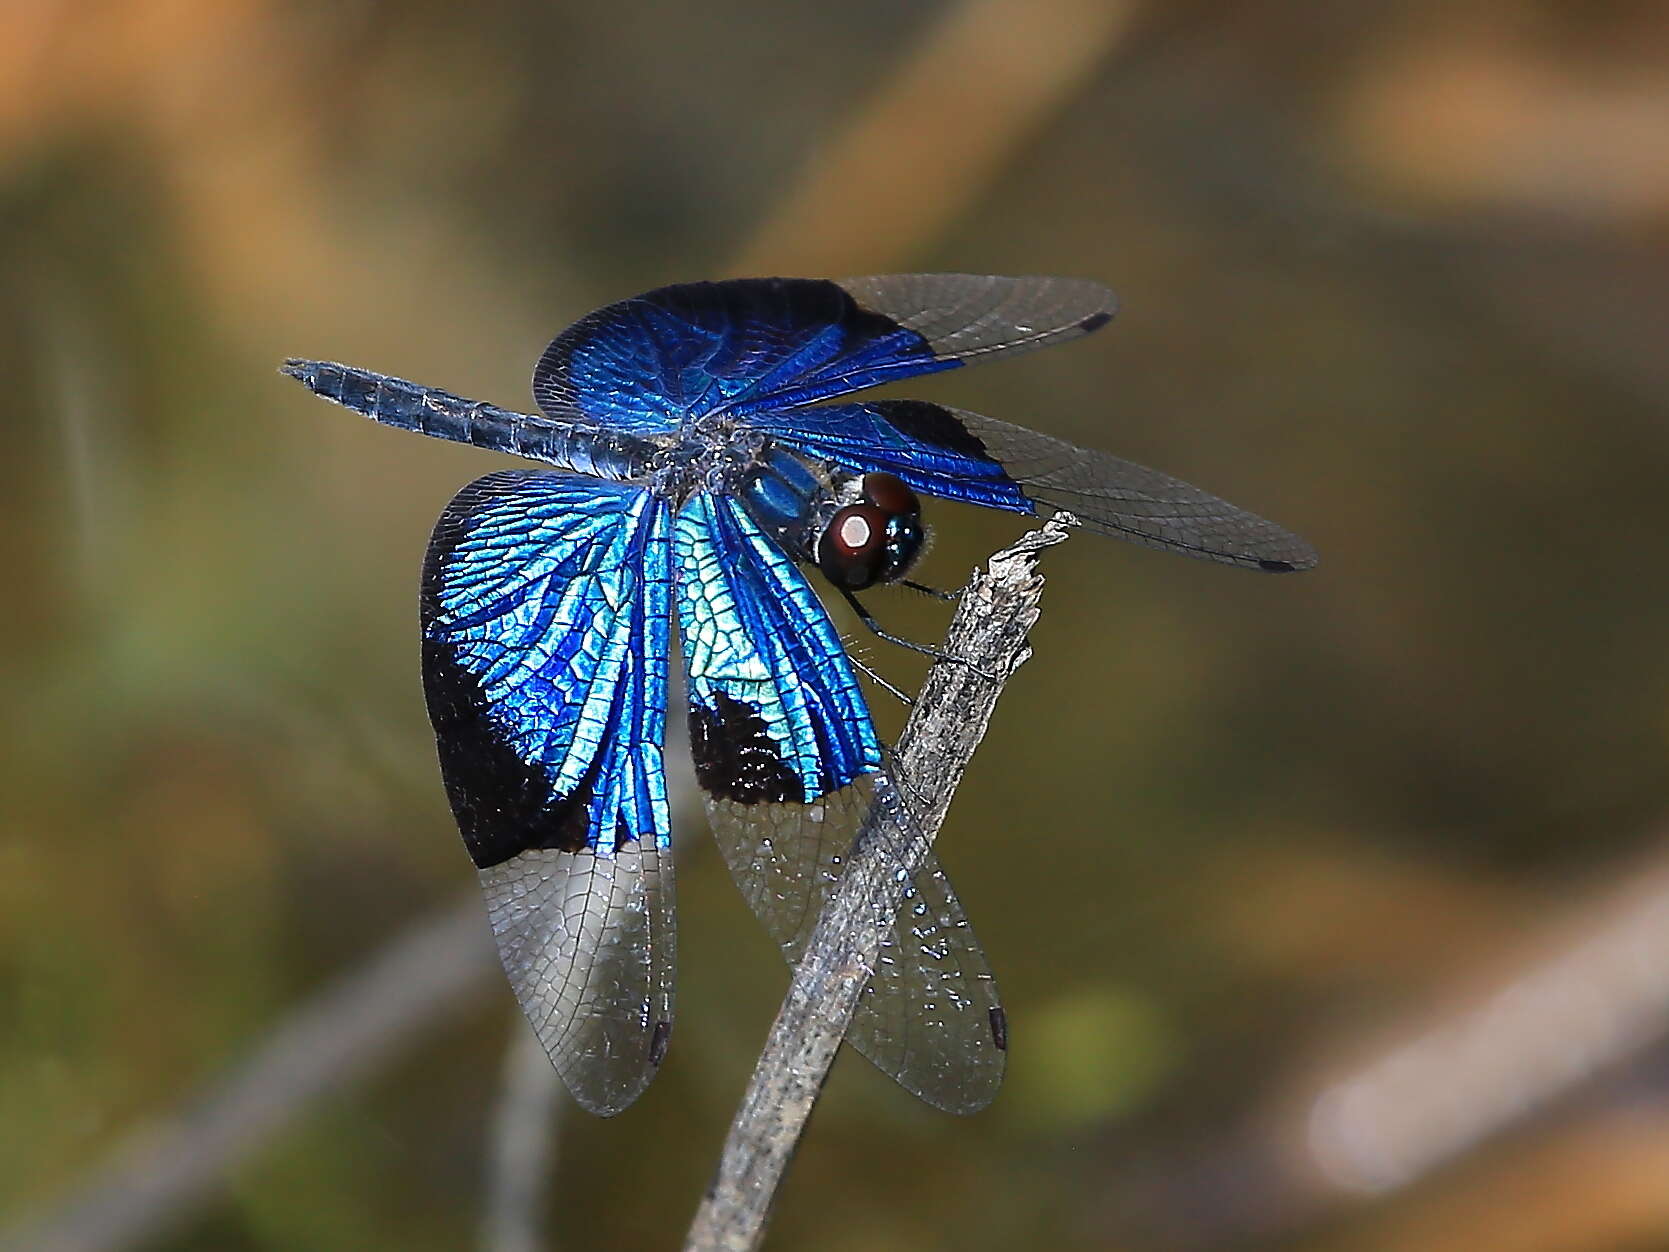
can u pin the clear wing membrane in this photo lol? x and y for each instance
(545, 619)
(930, 1016)
(587, 941)
(786, 756)
(1130, 501)
(960, 455)
(964, 316)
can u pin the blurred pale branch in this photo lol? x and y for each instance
(1566, 1009)
(935, 136)
(521, 1145)
(1601, 1183)
(1588, 992)
(160, 1172)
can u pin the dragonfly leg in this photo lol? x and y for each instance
(868, 620)
(869, 672)
(949, 597)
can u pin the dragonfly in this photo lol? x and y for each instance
(699, 456)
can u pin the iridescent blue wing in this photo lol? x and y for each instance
(756, 344)
(545, 619)
(788, 760)
(959, 455)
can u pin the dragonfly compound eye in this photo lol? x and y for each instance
(867, 543)
(905, 537)
(891, 494)
(852, 550)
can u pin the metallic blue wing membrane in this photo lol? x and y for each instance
(545, 619)
(787, 758)
(757, 344)
(927, 445)
(959, 455)
(775, 709)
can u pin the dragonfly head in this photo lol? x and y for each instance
(877, 538)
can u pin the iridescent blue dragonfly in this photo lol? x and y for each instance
(699, 458)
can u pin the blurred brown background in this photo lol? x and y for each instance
(1329, 910)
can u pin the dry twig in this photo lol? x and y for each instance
(986, 643)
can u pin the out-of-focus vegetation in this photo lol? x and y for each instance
(1393, 274)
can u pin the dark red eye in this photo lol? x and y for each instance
(891, 494)
(853, 547)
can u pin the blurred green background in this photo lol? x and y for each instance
(1392, 273)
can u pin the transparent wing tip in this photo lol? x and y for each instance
(613, 1070)
(1301, 556)
(609, 1103)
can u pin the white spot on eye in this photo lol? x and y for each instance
(855, 532)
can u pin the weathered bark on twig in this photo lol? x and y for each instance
(986, 643)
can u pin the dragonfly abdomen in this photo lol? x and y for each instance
(430, 411)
